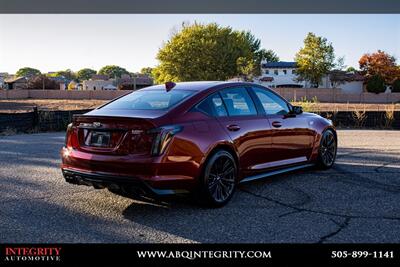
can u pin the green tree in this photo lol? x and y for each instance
(27, 72)
(68, 74)
(376, 84)
(85, 74)
(245, 68)
(268, 55)
(396, 86)
(113, 71)
(351, 69)
(315, 59)
(147, 71)
(208, 52)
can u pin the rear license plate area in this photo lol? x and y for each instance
(98, 139)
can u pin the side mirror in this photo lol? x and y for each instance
(297, 110)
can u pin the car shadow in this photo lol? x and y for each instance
(257, 212)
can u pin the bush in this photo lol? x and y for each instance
(376, 84)
(396, 86)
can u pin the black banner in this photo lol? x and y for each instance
(201, 6)
(200, 254)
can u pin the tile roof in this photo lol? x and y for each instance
(337, 75)
(15, 79)
(279, 64)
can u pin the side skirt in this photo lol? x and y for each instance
(271, 173)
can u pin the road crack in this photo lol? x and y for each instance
(298, 209)
(332, 234)
(289, 213)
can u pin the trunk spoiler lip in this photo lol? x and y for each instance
(153, 122)
(82, 118)
(123, 117)
(127, 113)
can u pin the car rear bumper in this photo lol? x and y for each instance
(101, 180)
(160, 174)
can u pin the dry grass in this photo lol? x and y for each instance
(24, 105)
(321, 107)
(359, 116)
(389, 116)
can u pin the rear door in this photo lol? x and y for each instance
(292, 138)
(247, 128)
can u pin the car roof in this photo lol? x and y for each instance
(194, 86)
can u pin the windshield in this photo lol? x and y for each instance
(149, 100)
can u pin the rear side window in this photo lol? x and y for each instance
(149, 100)
(238, 102)
(213, 106)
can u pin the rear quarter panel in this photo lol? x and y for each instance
(200, 136)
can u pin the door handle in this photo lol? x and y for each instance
(276, 124)
(233, 127)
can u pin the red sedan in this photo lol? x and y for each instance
(203, 137)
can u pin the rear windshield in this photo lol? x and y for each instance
(149, 100)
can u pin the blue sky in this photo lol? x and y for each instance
(57, 42)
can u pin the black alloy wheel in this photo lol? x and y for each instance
(327, 149)
(220, 177)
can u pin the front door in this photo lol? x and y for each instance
(291, 138)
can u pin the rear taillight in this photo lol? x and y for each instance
(163, 136)
(71, 138)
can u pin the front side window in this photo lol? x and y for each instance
(149, 100)
(213, 106)
(238, 102)
(272, 104)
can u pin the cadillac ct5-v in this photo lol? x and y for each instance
(202, 137)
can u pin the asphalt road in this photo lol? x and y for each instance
(356, 201)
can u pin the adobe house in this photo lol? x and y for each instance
(280, 74)
(349, 82)
(15, 83)
(283, 74)
(97, 82)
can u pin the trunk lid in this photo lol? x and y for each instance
(114, 135)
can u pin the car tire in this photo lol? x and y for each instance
(219, 178)
(327, 150)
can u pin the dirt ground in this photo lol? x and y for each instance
(24, 105)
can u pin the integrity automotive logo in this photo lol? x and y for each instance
(32, 254)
